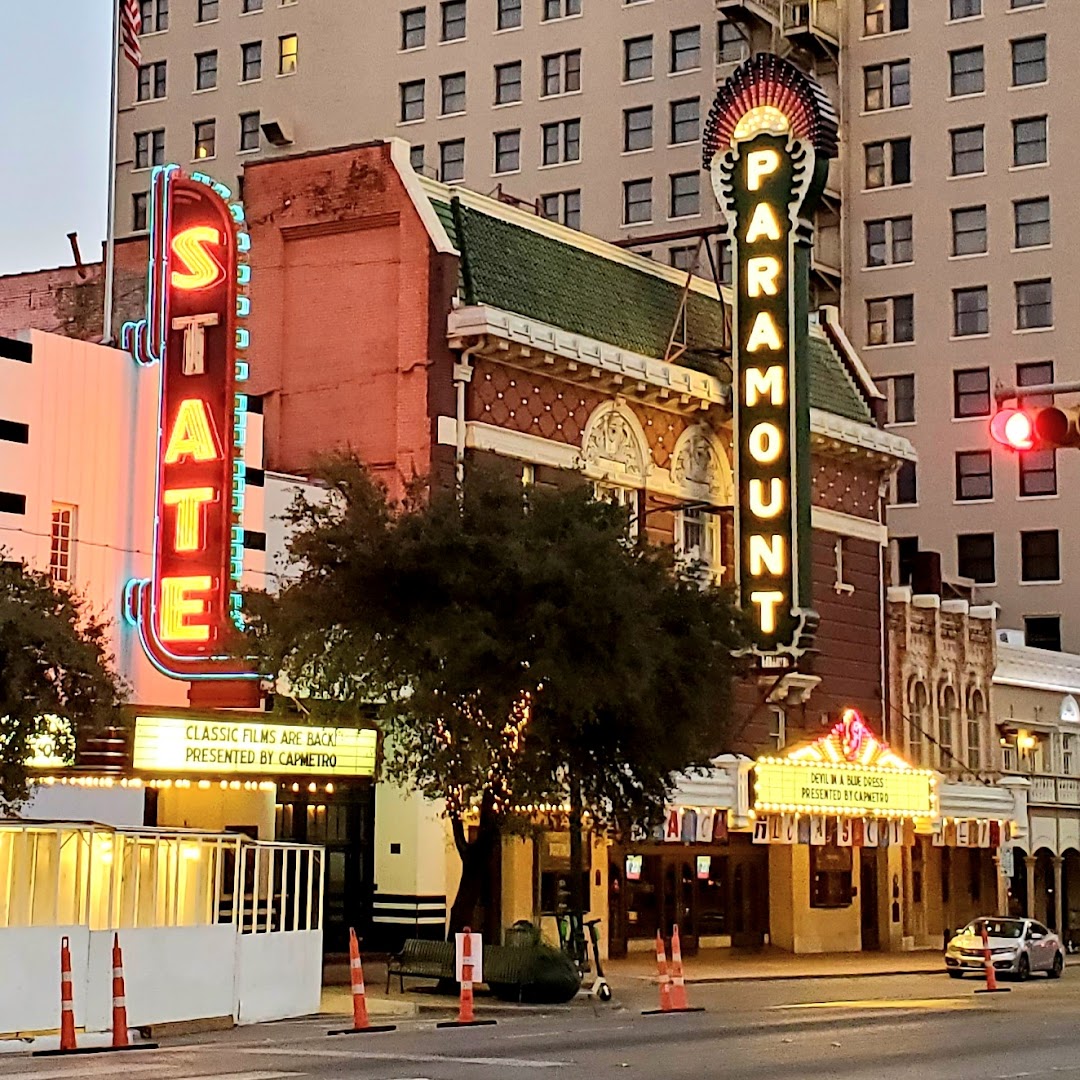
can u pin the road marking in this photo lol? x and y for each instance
(884, 1003)
(84, 1070)
(414, 1059)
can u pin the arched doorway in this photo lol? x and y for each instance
(1044, 909)
(1018, 884)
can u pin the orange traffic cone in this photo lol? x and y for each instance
(665, 983)
(67, 1002)
(466, 1017)
(119, 997)
(361, 1022)
(673, 991)
(988, 967)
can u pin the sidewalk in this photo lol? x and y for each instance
(769, 964)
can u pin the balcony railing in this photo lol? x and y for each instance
(765, 9)
(820, 18)
(1054, 790)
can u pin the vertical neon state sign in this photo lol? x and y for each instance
(767, 144)
(196, 303)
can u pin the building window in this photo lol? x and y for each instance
(452, 93)
(889, 241)
(906, 485)
(888, 163)
(1015, 5)
(1043, 632)
(637, 129)
(1038, 472)
(975, 557)
(890, 320)
(1039, 560)
(560, 9)
(899, 398)
(974, 475)
(969, 230)
(971, 393)
(249, 131)
(205, 139)
(453, 20)
(62, 543)
(138, 212)
(685, 194)
(413, 28)
(1029, 141)
(206, 70)
(287, 54)
(907, 551)
(637, 201)
(562, 206)
(149, 148)
(155, 16)
(249, 6)
(1029, 61)
(884, 16)
(968, 151)
(509, 14)
(208, 10)
(452, 161)
(562, 142)
(251, 61)
(686, 120)
(416, 157)
(830, 875)
(971, 311)
(976, 710)
(637, 58)
(507, 151)
(697, 535)
(1032, 223)
(152, 81)
(887, 86)
(684, 257)
(508, 83)
(1037, 373)
(725, 261)
(1034, 304)
(731, 46)
(686, 49)
(967, 73)
(964, 9)
(561, 73)
(412, 101)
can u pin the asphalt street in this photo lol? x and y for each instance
(895, 1028)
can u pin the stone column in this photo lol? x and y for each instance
(1002, 887)
(1029, 866)
(1057, 860)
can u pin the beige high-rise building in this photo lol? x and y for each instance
(941, 207)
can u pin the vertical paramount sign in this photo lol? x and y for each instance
(768, 141)
(193, 332)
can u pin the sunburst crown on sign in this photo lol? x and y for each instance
(768, 93)
(850, 742)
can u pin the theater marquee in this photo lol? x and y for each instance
(768, 141)
(223, 746)
(847, 773)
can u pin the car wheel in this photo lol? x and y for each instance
(955, 974)
(1023, 968)
(1058, 966)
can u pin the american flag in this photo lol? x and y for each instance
(130, 29)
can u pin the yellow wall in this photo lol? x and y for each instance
(793, 924)
(409, 820)
(213, 809)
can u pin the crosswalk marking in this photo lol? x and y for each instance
(885, 1003)
(415, 1059)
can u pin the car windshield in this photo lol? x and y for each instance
(999, 928)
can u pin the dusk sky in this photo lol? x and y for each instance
(54, 126)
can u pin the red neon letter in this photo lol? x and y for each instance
(178, 602)
(200, 268)
(188, 535)
(193, 434)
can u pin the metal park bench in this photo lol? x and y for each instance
(507, 967)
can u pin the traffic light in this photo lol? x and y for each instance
(1047, 428)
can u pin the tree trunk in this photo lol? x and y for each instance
(476, 856)
(578, 902)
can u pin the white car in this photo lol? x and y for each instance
(1017, 947)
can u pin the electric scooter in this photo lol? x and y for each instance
(601, 988)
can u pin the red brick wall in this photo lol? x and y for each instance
(345, 290)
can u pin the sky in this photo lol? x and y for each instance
(54, 130)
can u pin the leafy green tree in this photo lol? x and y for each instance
(54, 665)
(521, 650)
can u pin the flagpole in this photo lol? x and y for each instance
(110, 227)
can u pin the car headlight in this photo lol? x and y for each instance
(1003, 952)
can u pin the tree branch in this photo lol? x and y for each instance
(458, 828)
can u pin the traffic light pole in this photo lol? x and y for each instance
(1011, 393)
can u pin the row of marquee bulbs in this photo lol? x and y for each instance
(164, 785)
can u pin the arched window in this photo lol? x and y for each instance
(918, 718)
(947, 711)
(976, 711)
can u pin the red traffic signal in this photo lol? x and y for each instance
(1014, 428)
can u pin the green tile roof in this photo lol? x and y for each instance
(506, 266)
